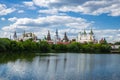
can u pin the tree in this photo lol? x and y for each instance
(44, 46)
(74, 47)
(60, 48)
(4, 44)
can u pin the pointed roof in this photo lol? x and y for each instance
(48, 36)
(91, 32)
(15, 35)
(65, 37)
(84, 32)
(56, 34)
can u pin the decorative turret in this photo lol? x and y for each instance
(56, 38)
(85, 32)
(65, 39)
(57, 34)
(48, 36)
(15, 35)
(91, 32)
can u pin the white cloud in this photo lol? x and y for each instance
(44, 3)
(91, 7)
(98, 7)
(49, 11)
(4, 10)
(111, 35)
(13, 19)
(68, 24)
(42, 24)
(52, 21)
(3, 19)
(29, 4)
(20, 11)
(4, 34)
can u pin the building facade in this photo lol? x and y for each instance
(24, 36)
(85, 37)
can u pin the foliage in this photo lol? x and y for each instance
(60, 48)
(7, 45)
(74, 47)
(117, 43)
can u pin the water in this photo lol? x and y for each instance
(70, 66)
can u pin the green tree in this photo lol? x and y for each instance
(44, 46)
(74, 47)
(14, 46)
(4, 44)
(60, 48)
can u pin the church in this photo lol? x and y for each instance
(84, 37)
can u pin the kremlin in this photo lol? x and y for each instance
(81, 37)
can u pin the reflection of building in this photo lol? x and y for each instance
(85, 37)
(25, 36)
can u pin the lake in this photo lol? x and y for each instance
(62, 66)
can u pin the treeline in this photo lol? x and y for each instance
(117, 43)
(11, 46)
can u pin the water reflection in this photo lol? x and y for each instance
(61, 67)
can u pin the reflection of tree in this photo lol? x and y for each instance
(56, 62)
(65, 61)
(48, 62)
(5, 58)
(85, 66)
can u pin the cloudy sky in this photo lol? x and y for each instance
(71, 16)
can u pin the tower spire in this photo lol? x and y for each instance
(57, 34)
(91, 32)
(65, 37)
(15, 35)
(85, 32)
(48, 36)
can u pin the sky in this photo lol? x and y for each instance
(71, 16)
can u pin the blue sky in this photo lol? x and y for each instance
(71, 16)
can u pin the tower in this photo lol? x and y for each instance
(85, 33)
(91, 35)
(57, 34)
(48, 36)
(91, 32)
(65, 39)
(15, 35)
(56, 38)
